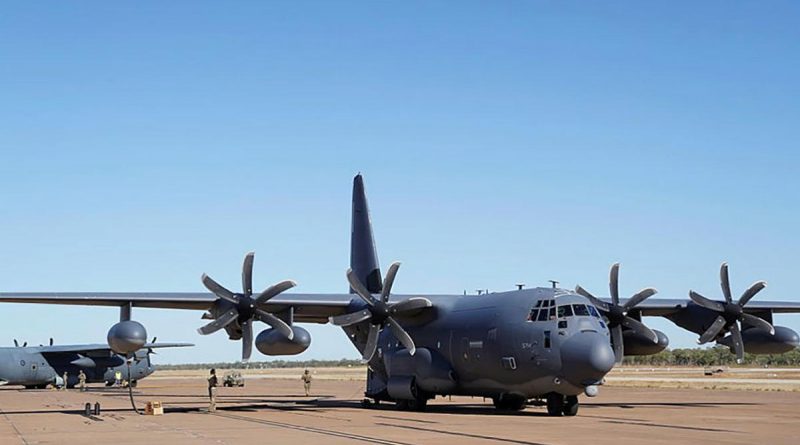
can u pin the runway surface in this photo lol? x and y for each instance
(275, 411)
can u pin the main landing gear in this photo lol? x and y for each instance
(558, 405)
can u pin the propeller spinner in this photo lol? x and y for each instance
(731, 314)
(243, 308)
(380, 313)
(618, 314)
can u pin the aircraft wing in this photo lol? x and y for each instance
(99, 347)
(663, 306)
(308, 308)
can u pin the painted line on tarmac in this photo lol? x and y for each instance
(461, 434)
(311, 429)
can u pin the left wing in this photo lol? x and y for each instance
(99, 348)
(663, 306)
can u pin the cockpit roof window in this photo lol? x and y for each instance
(593, 311)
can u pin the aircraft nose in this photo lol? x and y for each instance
(586, 357)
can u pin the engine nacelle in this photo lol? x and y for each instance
(272, 342)
(126, 337)
(640, 345)
(757, 341)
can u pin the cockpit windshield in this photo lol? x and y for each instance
(545, 310)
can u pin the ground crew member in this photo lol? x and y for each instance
(118, 378)
(212, 391)
(306, 377)
(64, 388)
(82, 380)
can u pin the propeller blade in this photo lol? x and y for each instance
(705, 302)
(275, 322)
(388, 282)
(738, 344)
(25, 344)
(713, 331)
(154, 339)
(642, 295)
(725, 282)
(402, 335)
(274, 290)
(758, 322)
(247, 274)
(218, 290)
(613, 283)
(410, 306)
(351, 318)
(51, 341)
(618, 343)
(16, 343)
(600, 304)
(640, 328)
(247, 340)
(751, 292)
(359, 288)
(372, 342)
(219, 323)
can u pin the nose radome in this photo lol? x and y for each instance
(586, 357)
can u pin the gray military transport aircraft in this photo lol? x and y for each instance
(35, 367)
(542, 343)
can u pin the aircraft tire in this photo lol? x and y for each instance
(555, 404)
(571, 405)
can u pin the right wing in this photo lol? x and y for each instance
(308, 308)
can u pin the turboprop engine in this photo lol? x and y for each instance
(275, 342)
(126, 337)
(636, 344)
(760, 341)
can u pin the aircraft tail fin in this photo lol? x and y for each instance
(363, 255)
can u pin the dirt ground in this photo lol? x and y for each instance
(274, 410)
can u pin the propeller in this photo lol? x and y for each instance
(731, 313)
(380, 313)
(617, 314)
(16, 343)
(243, 308)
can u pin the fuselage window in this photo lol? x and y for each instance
(593, 311)
(547, 339)
(564, 311)
(580, 310)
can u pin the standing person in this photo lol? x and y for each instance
(118, 378)
(82, 380)
(64, 388)
(306, 377)
(212, 391)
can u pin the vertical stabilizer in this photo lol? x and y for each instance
(363, 256)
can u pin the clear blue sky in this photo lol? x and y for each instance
(143, 144)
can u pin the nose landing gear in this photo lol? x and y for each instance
(558, 405)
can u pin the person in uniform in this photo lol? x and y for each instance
(118, 378)
(212, 391)
(306, 377)
(64, 387)
(82, 380)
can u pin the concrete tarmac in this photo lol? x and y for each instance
(275, 411)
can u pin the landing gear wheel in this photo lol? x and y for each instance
(555, 404)
(571, 406)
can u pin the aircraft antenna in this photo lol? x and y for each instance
(554, 283)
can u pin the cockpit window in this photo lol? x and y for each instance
(580, 310)
(564, 311)
(543, 310)
(593, 311)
